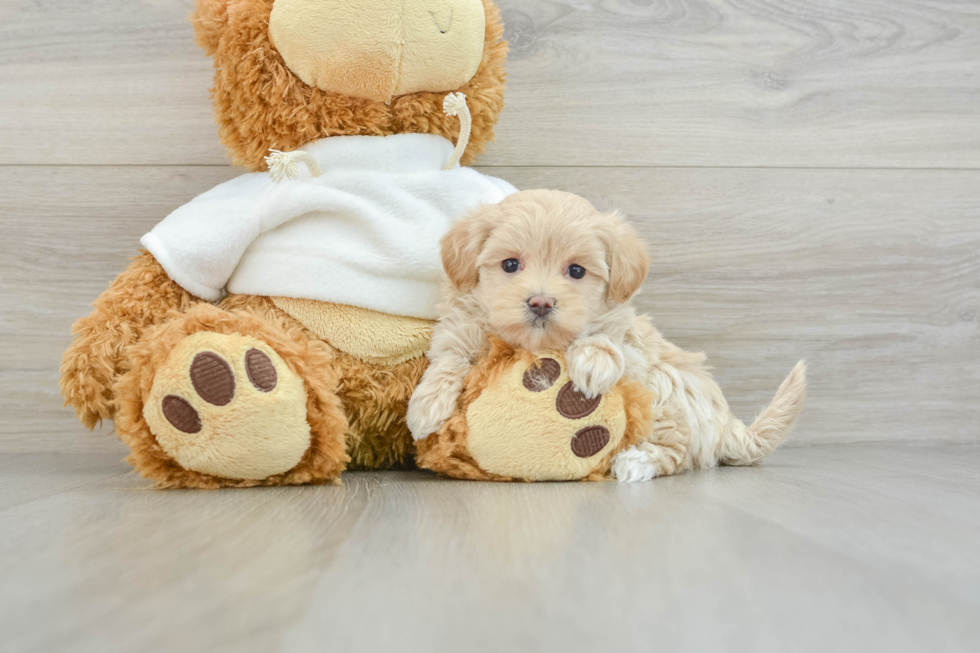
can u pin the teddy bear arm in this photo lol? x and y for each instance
(140, 297)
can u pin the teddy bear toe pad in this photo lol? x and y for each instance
(227, 405)
(590, 441)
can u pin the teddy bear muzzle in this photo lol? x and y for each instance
(379, 49)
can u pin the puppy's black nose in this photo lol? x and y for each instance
(541, 305)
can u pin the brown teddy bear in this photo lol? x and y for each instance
(272, 334)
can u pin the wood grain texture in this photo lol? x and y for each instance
(853, 548)
(872, 276)
(826, 83)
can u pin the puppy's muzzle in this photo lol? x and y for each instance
(541, 305)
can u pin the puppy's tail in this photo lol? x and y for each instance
(746, 445)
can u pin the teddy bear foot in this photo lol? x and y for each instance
(535, 425)
(522, 418)
(228, 406)
(224, 399)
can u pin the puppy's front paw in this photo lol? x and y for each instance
(430, 406)
(635, 465)
(595, 365)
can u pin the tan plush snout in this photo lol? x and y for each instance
(379, 49)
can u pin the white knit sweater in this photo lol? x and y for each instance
(366, 233)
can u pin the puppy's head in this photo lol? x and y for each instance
(544, 264)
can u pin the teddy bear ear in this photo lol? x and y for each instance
(210, 20)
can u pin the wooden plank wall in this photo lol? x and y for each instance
(807, 171)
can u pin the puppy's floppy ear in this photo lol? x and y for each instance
(462, 245)
(629, 262)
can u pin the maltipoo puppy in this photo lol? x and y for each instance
(546, 270)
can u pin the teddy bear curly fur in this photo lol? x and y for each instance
(355, 408)
(260, 104)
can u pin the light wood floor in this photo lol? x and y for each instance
(830, 548)
(808, 175)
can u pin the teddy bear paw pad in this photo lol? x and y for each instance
(227, 405)
(590, 441)
(534, 424)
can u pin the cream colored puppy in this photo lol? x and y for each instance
(546, 270)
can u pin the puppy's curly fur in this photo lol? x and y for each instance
(260, 104)
(546, 270)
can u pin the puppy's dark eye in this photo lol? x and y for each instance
(576, 271)
(511, 265)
